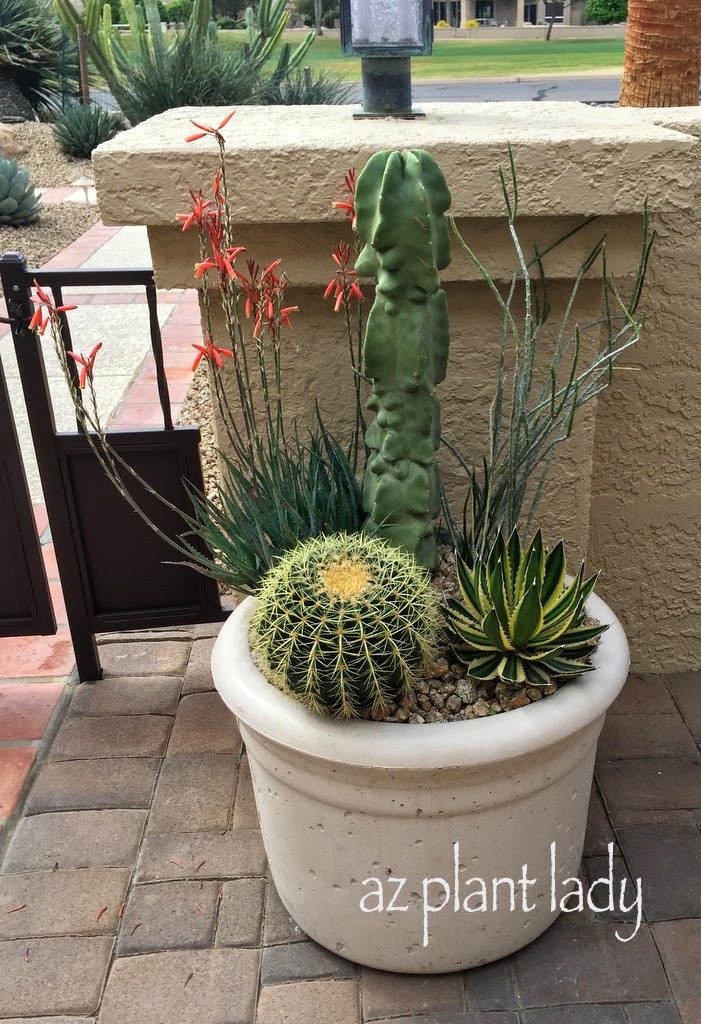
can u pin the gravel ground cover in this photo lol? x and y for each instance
(59, 224)
(48, 167)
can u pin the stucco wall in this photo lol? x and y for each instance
(624, 490)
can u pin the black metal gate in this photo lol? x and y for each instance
(25, 601)
(116, 573)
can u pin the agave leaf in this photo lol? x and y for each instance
(485, 600)
(498, 596)
(494, 631)
(568, 600)
(527, 620)
(469, 589)
(535, 675)
(512, 671)
(456, 613)
(485, 668)
(588, 586)
(512, 561)
(561, 666)
(551, 635)
(581, 634)
(554, 579)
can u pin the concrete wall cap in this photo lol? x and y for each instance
(287, 163)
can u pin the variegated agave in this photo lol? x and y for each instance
(519, 621)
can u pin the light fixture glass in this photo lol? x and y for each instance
(386, 28)
(385, 23)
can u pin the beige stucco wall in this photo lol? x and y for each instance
(623, 491)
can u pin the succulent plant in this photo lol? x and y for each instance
(81, 129)
(400, 202)
(519, 620)
(18, 202)
(343, 622)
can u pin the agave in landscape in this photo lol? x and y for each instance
(520, 620)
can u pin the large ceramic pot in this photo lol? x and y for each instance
(385, 840)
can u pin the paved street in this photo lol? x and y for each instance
(587, 90)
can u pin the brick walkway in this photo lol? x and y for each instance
(143, 802)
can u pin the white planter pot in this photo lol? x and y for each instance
(343, 802)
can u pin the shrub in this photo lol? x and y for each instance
(342, 623)
(473, 23)
(442, 24)
(607, 12)
(34, 57)
(18, 202)
(79, 130)
(307, 87)
(518, 620)
(147, 74)
(178, 11)
(226, 22)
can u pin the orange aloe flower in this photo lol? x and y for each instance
(86, 363)
(211, 352)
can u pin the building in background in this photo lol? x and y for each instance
(514, 12)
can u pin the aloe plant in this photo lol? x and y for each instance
(519, 620)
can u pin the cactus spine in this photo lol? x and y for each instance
(343, 622)
(401, 199)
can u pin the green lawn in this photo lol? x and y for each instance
(472, 58)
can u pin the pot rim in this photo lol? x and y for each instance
(286, 723)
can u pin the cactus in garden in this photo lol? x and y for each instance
(401, 199)
(343, 622)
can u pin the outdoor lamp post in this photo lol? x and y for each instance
(386, 34)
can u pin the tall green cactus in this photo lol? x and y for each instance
(401, 199)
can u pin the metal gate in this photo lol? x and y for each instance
(25, 601)
(116, 573)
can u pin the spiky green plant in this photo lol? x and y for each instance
(343, 622)
(400, 201)
(79, 130)
(33, 54)
(18, 202)
(519, 620)
(148, 74)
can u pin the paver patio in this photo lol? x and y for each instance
(134, 889)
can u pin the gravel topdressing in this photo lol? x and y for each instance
(58, 225)
(47, 165)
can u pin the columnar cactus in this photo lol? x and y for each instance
(343, 622)
(401, 199)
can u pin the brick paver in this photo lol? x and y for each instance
(162, 909)
(203, 725)
(145, 695)
(60, 902)
(186, 987)
(194, 791)
(112, 736)
(96, 785)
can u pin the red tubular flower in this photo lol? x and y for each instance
(211, 352)
(350, 181)
(205, 129)
(87, 364)
(39, 322)
(222, 262)
(343, 286)
(197, 212)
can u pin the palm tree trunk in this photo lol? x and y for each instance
(663, 54)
